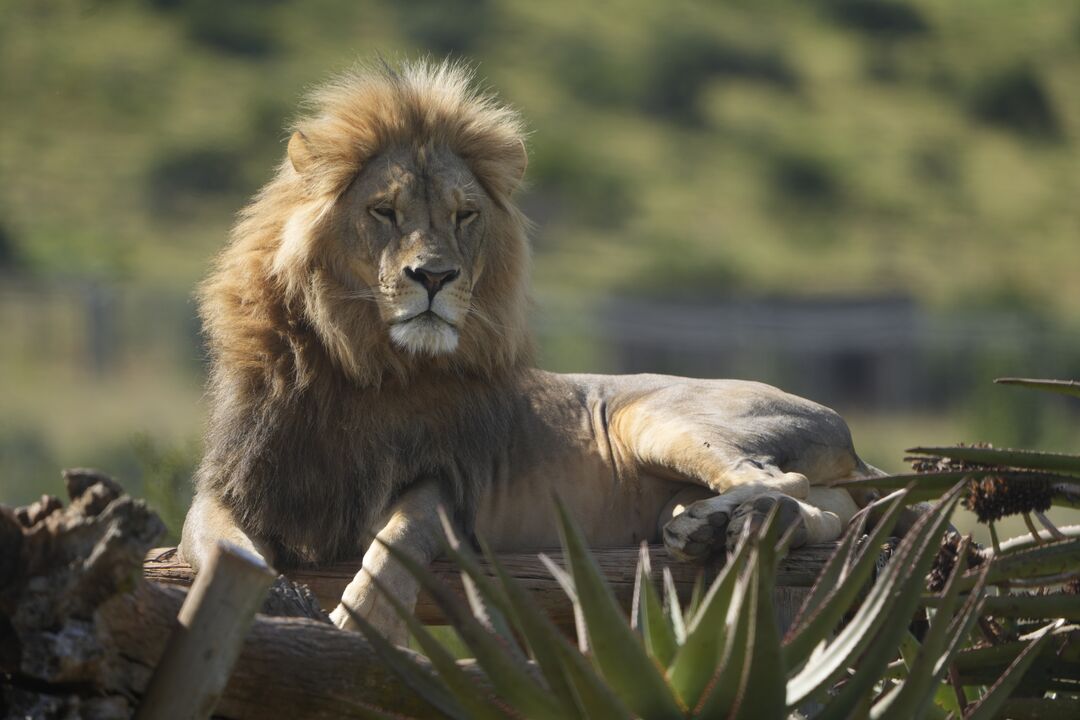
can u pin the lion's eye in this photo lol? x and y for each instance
(464, 217)
(384, 213)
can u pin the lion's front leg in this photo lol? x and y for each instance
(702, 520)
(698, 529)
(413, 527)
(751, 446)
(209, 522)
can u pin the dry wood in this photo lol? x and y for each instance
(796, 573)
(81, 633)
(213, 622)
(288, 668)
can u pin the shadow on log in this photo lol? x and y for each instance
(81, 631)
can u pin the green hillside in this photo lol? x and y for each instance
(899, 148)
(833, 146)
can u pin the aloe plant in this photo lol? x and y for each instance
(850, 651)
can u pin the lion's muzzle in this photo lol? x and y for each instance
(432, 280)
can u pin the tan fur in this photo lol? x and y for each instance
(350, 398)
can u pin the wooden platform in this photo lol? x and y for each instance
(796, 574)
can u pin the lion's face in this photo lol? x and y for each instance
(414, 240)
(388, 243)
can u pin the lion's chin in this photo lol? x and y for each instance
(426, 334)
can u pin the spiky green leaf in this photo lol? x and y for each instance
(942, 639)
(439, 695)
(563, 666)
(874, 632)
(697, 658)
(983, 665)
(633, 675)
(1007, 457)
(1053, 605)
(690, 610)
(826, 606)
(1052, 559)
(566, 582)
(988, 706)
(1062, 387)
(486, 598)
(718, 697)
(500, 611)
(512, 679)
(835, 568)
(649, 616)
(463, 687)
(763, 686)
(931, 485)
(1027, 540)
(672, 610)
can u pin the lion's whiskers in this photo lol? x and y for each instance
(499, 328)
(356, 295)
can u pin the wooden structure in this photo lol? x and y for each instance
(796, 574)
(83, 634)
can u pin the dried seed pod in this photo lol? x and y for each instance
(947, 558)
(992, 498)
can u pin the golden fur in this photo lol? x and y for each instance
(275, 316)
(371, 362)
(298, 348)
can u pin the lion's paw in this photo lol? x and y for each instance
(341, 618)
(753, 512)
(699, 531)
(380, 615)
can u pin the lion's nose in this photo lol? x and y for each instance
(432, 280)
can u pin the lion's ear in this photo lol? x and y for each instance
(300, 154)
(521, 162)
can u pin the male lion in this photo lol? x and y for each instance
(367, 326)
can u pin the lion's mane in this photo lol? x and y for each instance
(317, 421)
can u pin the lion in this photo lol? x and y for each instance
(371, 363)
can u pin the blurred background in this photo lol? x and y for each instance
(873, 203)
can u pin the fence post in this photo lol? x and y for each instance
(203, 648)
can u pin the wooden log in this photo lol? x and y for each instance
(288, 667)
(203, 648)
(795, 575)
(81, 633)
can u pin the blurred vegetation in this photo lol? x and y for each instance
(166, 480)
(939, 139)
(833, 147)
